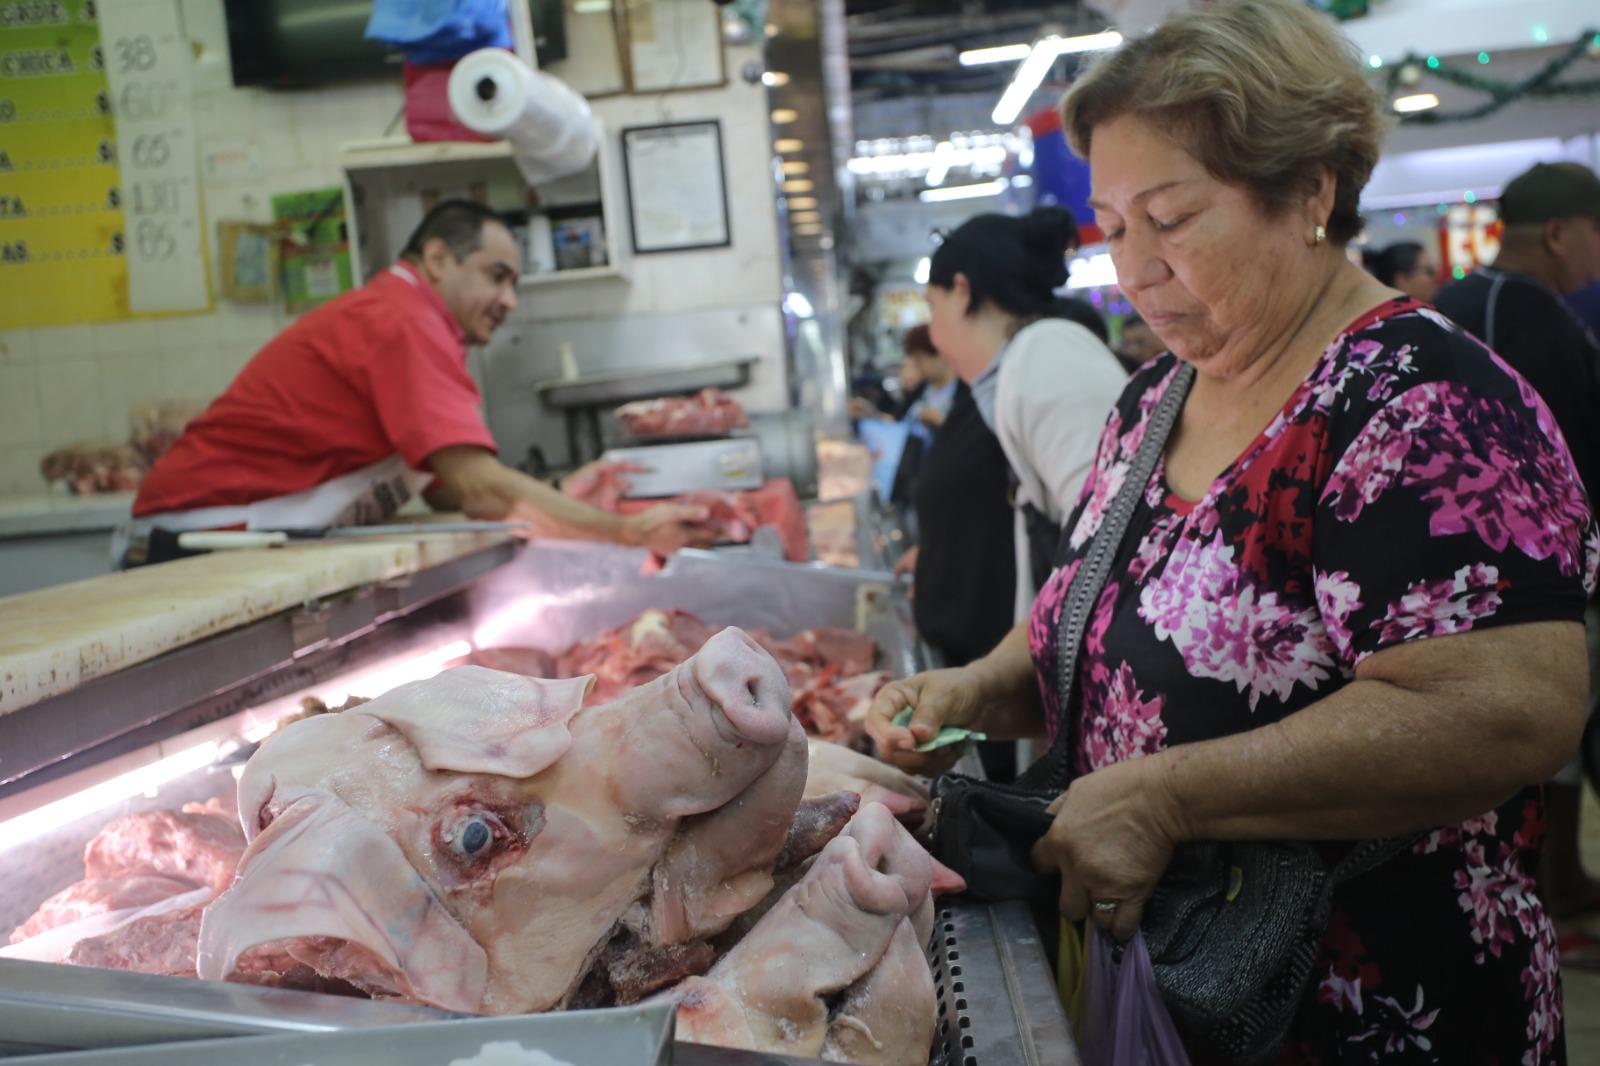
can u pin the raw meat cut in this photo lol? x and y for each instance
(829, 670)
(89, 897)
(832, 530)
(89, 469)
(864, 992)
(195, 845)
(733, 517)
(161, 944)
(146, 876)
(706, 413)
(844, 469)
(475, 841)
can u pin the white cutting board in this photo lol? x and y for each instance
(54, 639)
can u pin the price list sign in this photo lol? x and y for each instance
(147, 63)
(61, 243)
(76, 95)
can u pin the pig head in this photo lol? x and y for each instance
(477, 840)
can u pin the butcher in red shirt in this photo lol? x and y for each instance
(361, 403)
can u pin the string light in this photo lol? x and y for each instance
(1483, 57)
(1433, 62)
(1375, 61)
(1470, 197)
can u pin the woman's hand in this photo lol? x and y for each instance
(937, 698)
(1113, 835)
(931, 416)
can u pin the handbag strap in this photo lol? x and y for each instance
(1096, 568)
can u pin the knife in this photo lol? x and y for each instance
(216, 539)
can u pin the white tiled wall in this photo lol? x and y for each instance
(68, 383)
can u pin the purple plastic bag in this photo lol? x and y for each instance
(1124, 1021)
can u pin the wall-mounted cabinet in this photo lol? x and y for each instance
(570, 230)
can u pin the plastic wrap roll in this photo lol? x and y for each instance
(551, 131)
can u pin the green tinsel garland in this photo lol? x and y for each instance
(1540, 84)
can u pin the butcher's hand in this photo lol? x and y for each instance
(667, 527)
(937, 699)
(586, 482)
(1112, 838)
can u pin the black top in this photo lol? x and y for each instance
(966, 566)
(1539, 337)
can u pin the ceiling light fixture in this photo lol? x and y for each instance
(1089, 42)
(782, 116)
(805, 218)
(1029, 76)
(799, 185)
(943, 153)
(774, 79)
(1041, 57)
(1000, 53)
(796, 166)
(785, 145)
(802, 203)
(963, 192)
(1416, 102)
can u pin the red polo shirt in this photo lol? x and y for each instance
(375, 372)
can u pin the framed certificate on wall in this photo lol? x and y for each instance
(677, 191)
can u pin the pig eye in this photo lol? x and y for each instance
(472, 837)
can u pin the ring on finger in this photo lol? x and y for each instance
(1106, 907)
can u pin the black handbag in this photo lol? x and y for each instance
(1233, 928)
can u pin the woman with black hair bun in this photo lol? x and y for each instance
(1043, 384)
(1404, 265)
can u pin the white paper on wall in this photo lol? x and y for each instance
(148, 61)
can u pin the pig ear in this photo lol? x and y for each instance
(330, 889)
(476, 721)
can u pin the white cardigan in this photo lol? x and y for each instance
(1057, 385)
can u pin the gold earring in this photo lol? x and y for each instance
(1319, 235)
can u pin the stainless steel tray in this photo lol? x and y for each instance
(596, 390)
(47, 1007)
(628, 1036)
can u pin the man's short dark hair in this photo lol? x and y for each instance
(459, 223)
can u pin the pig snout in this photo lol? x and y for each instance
(746, 685)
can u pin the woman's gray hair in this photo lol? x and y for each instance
(1264, 93)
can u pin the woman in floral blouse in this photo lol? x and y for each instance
(1349, 605)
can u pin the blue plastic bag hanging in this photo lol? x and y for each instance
(438, 31)
(1125, 1022)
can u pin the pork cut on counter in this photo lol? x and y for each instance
(707, 413)
(731, 517)
(146, 879)
(829, 670)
